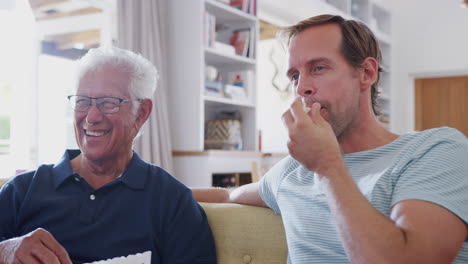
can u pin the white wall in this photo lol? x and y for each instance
(430, 38)
(272, 103)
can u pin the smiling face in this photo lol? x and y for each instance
(103, 136)
(319, 73)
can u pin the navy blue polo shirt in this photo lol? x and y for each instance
(144, 209)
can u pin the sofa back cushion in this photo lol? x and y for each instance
(246, 234)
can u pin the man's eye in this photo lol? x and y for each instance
(82, 102)
(109, 104)
(295, 77)
(319, 68)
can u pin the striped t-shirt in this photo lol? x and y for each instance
(431, 165)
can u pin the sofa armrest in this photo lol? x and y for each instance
(246, 234)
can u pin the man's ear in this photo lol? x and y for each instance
(144, 110)
(369, 73)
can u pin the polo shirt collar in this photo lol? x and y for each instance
(63, 169)
(136, 173)
(134, 176)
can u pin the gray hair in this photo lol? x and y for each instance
(143, 74)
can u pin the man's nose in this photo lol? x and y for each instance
(94, 114)
(305, 86)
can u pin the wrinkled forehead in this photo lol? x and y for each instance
(105, 81)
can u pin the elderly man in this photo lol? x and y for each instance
(352, 191)
(102, 201)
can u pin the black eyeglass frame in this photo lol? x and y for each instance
(121, 100)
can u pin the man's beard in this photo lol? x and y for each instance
(343, 123)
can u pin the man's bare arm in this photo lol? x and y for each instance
(415, 232)
(246, 194)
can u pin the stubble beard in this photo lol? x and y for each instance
(343, 123)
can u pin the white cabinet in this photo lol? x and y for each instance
(193, 44)
(188, 55)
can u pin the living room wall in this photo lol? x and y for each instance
(430, 39)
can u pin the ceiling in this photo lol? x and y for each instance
(52, 9)
(52, 15)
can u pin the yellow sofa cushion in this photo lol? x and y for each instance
(246, 234)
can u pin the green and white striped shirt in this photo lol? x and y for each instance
(431, 165)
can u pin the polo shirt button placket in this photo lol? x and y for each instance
(92, 197)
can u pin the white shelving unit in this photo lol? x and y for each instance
(190, 106)
(188, 56)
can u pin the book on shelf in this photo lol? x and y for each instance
(237, 4)
(253, 7)
(214, 88)
(209, 32)
(251, 49)
(247, 6)
(240, 39)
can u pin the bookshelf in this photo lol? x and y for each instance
(201, 36)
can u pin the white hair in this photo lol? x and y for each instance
(143, 74)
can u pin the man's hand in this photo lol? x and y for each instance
(312, 141)
(37, 247)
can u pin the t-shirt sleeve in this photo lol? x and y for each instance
(270, 183)
(438, 174)
(187, 237)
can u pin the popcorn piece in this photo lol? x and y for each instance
(140, 258)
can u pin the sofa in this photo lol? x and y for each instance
(246, 234)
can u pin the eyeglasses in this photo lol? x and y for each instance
(105, 104)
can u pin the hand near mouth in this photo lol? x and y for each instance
(312, 141)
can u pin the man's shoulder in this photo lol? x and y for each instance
(288, 167)
(160, 178)
(422, 141)
(21, 183)
(28, 176)
(440, 134)
(443, 146)
(284, 166)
